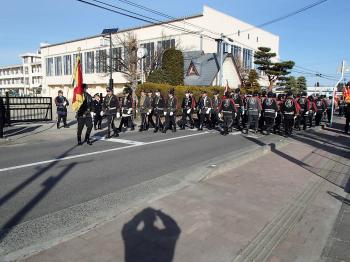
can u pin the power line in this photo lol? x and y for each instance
(303, 9)
(141, 18)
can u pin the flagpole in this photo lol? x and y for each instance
(335, 88)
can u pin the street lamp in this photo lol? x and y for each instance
(109, 32)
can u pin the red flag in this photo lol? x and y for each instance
(78, 92)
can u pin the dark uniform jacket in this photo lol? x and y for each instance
(61, 108)
(253, 106)
(304, 105)
(111, 105)
(87, 107)
(289, 108)
(269, 107)
(171, 104)
(127, 104)
(145, 104)
(239, 103)
(321, 106)
(227, 106)
(158, 104)
(204, 104)
(187, 103)
(97, 107)
(216, 103)
(2, 111)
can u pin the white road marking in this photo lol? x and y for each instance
(118, 140)
(97, 152)
(235, 133)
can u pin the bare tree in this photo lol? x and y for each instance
(242, 71)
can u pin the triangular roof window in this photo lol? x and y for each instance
(192, 70)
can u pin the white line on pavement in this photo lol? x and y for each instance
(118, 140)
(96, 152)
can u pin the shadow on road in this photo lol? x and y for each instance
(20, 130)
(48, 185)
(150, 236)
(340, 198)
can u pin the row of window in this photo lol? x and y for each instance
(97, 61)
(12, 71)
(11, 81)
(236, 51)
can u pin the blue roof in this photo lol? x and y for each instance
(207, 65)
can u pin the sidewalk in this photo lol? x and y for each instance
(281, 207)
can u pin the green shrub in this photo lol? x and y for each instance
(173, 67)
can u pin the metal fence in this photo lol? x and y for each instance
(27, 109)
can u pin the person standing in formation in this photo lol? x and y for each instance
(170, 112)
(158, 109)
(110, 108)
(84, 117)
(269, 109)
(61, 104)
(145, 109)
(98, 110)
(228, 110)
(127, 110)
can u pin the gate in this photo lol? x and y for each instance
(27, 109)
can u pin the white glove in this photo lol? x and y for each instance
(149, 111)
(307, 112)
(171, 113)
(102, 113)
(129, 111)
(188, 111)
(275, 114)
(92, 114)
(164, 113)
(259, 114)
(137, 111)
(220, 115)
(64, 103)
(295, 117)
(208, 111)
(118, 115)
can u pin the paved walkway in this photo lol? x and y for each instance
(281, 207)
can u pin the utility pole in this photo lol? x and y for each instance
(109, 32)
(221, 59)
(335, 89)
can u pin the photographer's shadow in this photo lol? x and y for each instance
(150, 237)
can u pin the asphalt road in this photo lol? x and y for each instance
(40, 179)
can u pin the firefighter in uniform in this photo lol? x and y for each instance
(158, 109)
(127, 110)
(254, 112)
(84, 117)
(228, 110)
(98, 110)
(289, 111)
(239, 104)
(270, 111)
(110, 108)
(204, 108)
(321, 108)
(312, 110)
(170, 113)
(216, 101)
(304, 105)
(187, 110)
(145, 108)
(61, 104)
(150, 121)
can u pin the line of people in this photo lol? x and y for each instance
(265, 112)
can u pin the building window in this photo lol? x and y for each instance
(27, 81)
(248, 36)
(101, 61)
(67, 65)
(25, 60)
(166, 44)
(75, 56)
(58, 65)
(148, 60)
(247, 58)
(237, 52)
(49, 66)
(117, 59)
(257, 39)
(89, 62)
(239, 33)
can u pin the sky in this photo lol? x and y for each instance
(317, 39)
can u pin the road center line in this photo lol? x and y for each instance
(97, 152)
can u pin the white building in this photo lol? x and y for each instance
(23, 79)
(202, 30)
